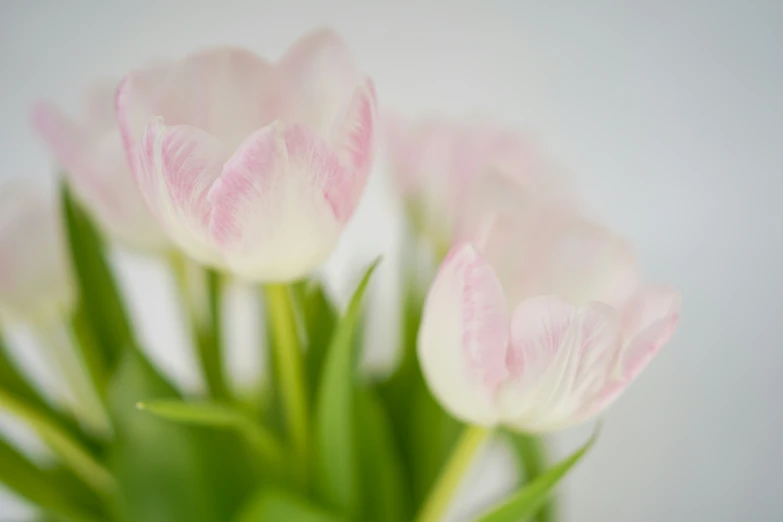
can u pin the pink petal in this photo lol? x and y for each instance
(226, 92)
(354, 142)
(271, 212)
(464, 336)
(560, 357)
(649, 321)
(64, 137)
(320, 75)
(177, 167)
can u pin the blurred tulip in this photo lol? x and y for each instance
(35, 281)
(540, 322)
(249, 165)
(438, 165)
(91, 152)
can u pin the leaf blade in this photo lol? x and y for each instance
(216, 415)
(336, 459)
(529, 499)
(41, 486)
(386, 497)
(100, 307)
(70, 450)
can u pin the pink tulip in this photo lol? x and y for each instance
(540, 322)
(35, 281)
(91, 152)
(249, 165)
(439, 164)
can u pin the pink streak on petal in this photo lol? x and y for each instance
(654, 316)
(538, 329)
(485, 322)
(122, 105)
(355, 145)
(182, 162)
(251, 170)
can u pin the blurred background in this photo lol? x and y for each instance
(668, 116)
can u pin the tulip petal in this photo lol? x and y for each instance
(99, 111)
(649, 321)
(583, 262)
(320, 75)
(63, 136)
(560, 356)
(226, 92)
(354, 143)
(177, 167)
(464, 336)
(272, 216)
(35, 279)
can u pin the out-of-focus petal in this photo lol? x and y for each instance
(354, 144)
(177, 167)
(99, 112)
(649, 321)
(272, 217)
(35, 279)
(560, 357)
(319, 76)
(464, 337)
(65, 137)
(226, 92)
(92, 155)
(583, 261)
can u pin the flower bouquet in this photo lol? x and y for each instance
(520, 314)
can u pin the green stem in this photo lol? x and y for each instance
(290, 370)
(201, 291)
(471, 440)
(69, 449)
(533, 461)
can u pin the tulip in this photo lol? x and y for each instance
(437, 166)
(540, 322)
(35, 281)
(91, 152)
(252, 166)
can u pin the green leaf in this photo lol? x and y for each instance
(159, 465)
(45, 488)
(274, 505)
(528, 500)
(221, 416)
(12, 381)
(531, 457)
(15, 384)
(69, 449)
(319, 318)
(101, 309)
(201, 293)
(336, 454)
(385, 494)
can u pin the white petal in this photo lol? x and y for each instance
(319, 76)
(271, 216)
(464, 337)
(35, 278)
(176, 168)
(560, 357)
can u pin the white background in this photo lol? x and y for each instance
(669, 115)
